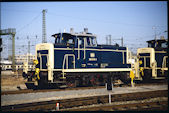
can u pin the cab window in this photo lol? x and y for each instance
(164, 45)
(88, 41)
(91, 41)
(57, 40)
(151, 44)
(81, 42)
(70, 41)
(67, 40)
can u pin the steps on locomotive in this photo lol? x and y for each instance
(157, 78)
(138, 78)
(53, 85)
(60, 84)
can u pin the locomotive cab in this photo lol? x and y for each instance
(64, 39)
(160, 44)
(153, 60)
(75, 39)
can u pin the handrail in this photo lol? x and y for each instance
(84, 55)
(63, 65)
(154, 69)
(40, 61)
(78, 49)
(123, 57)
(66, 58)
(164, 62)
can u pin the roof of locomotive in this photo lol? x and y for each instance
(82, 34)
(157, 40)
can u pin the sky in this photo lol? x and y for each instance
(137, 22)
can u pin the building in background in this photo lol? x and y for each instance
(6, 64)
(24, 58)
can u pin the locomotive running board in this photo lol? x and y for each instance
(158, 78)
(97, 70)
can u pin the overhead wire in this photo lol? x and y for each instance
(80, 18)
(103, 21)
(29, 23)
(16, 10)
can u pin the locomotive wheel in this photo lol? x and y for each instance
(166, 73)
(42, 85)
(147, 75)
(70, 82)
(125, 78)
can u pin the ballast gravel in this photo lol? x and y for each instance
(57, 95)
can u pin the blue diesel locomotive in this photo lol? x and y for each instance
(75, 59)
(153, 60)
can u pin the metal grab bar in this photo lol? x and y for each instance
(66, 58)
(78, 49)
(164, 61)
(84, 55)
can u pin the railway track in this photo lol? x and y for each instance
(124, 106)
(84, 101)
(77, 88)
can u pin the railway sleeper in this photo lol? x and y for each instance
(68, 103)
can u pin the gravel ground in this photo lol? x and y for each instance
(46, 96)
(10, 81)
(158, 99)
(13, 88)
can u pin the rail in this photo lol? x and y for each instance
(125, 106)
(77, 102)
